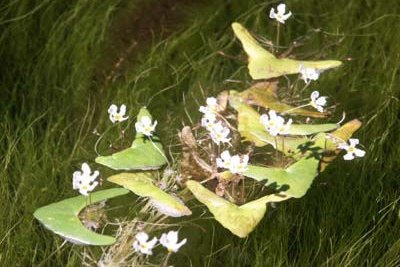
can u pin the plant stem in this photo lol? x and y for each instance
(278, 27)
(165, 263)
(302, 106)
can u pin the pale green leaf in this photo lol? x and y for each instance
(144, 154)
(62, 218)
(142, 184)
(298, 177)
(264, 65)
(263, 94)
(240, 220)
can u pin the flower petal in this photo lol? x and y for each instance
(354, 142)
(348, 156)
(112, 109)
(359, 153)
(122, 110)
(281, 9)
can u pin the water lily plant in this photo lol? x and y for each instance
(85, 180)
(228, 186)
(143, 245)
(115, 115)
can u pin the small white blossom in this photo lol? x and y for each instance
(308, 74)
(317, 101)
(116, 116)
(351, 149)
(212, 106)
(170, 241)
(219, 133)
(143, 246)
(235, 164)
(145, 126)
(275, 124)
(84, 180)
(280, 16)
(208, 121)
(224, 161)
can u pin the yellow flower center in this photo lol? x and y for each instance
(117, 117)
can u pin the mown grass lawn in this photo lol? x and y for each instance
(58, 75)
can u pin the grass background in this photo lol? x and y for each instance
(58, 75)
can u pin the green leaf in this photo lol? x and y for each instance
(263, 94)
(264, 65)
(144, 154)
(240, 220)
(62, 218)
(298, 177)
(142, 185)
(308, 129)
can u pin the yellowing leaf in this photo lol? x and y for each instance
(330, 141)
(142, 185)
(240, 220)
(251, 129)
(264, 65)
(263, 94)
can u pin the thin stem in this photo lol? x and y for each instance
(278, 27)
(302, 106)
(305, 87)
(276, 147)
(165, 263)
(283, 147)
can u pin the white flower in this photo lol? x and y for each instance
(308, 74)
(235, 163)
(280, 16)
(83, 180)
(116, 116)
(208, 121)
(317, 101)
(145, 126)
(219, 133)
(212, 106)
(275, 124)
(351, 149)
(170, 241)
(225, 160)
(142, 245)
